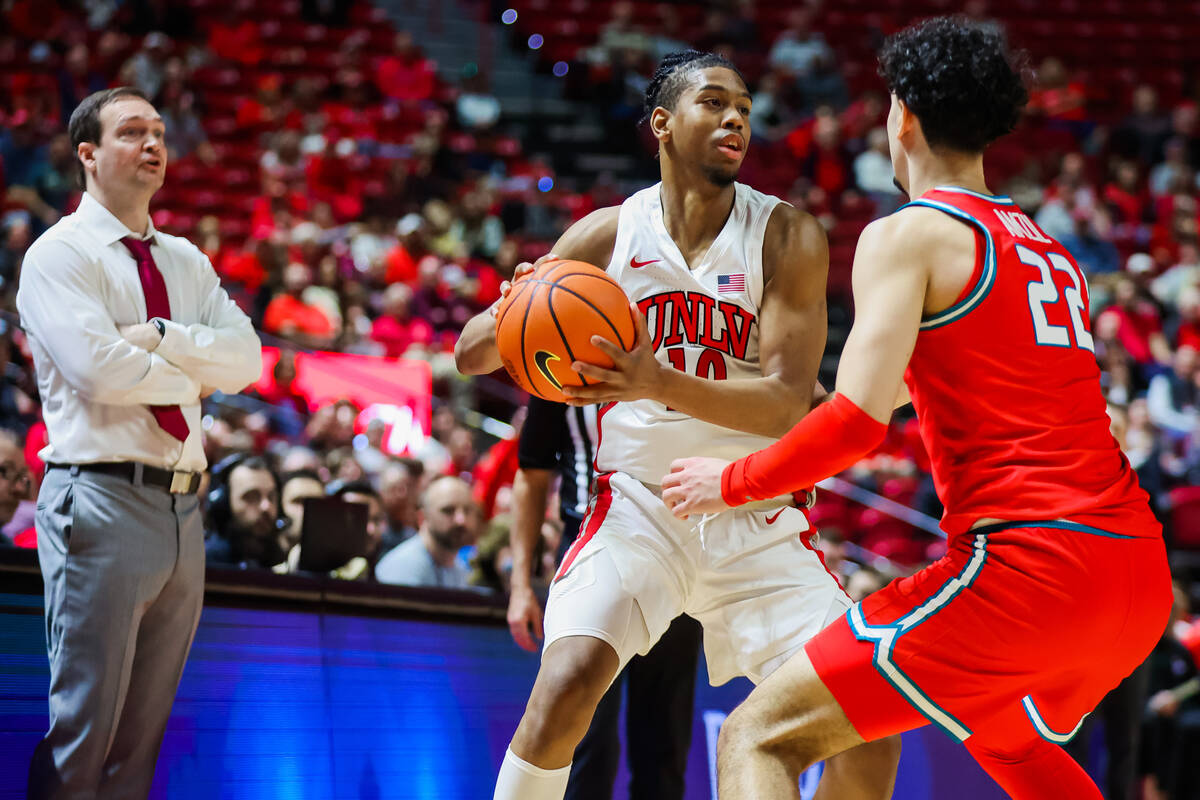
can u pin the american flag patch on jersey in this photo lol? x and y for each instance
(731, 284)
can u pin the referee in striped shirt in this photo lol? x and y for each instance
(660, 685)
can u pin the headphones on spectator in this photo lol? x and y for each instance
(220, 514)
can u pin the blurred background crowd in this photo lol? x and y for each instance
(363, 177)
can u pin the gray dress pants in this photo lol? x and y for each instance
(123, 566)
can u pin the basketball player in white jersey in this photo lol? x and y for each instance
(729, 286)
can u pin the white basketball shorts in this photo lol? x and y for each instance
(752, 578)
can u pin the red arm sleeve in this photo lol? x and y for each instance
(830, 438)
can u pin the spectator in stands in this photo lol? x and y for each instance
(185, 132)
(295, 487)
(1142, 133)
(621, 34)
(480, 231)
(827, 165)
(288, 406)
(1173, 395)
(359, 567)
(797, 49)
(16, 486)
(1057, 97)
(399, 488)
(463, 454)
(1090, 244)
(667, 34)
(1185, 325)
(344, 466)
(1174, 288)
(396, 328)
(873, 172)
(477, 108)
(23, 153)
(52, 186)
(1138, 326)
(1174, 170)
(290, 316)
(1185, 124)
(147, 68)
(284, 161)
(77, 79)
(449, 522)
(300, 458)
(1171, 734)
(362, 491)
(16, 234)
(1124, 194)
(237, 37)
(862, 582)
(406, 76)
(245, 527)
(491, 563)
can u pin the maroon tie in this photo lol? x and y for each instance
(169, 418)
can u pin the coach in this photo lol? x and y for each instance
(129, 328)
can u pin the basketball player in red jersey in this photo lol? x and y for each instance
(1056, 585)
(729, 289)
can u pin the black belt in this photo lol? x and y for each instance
(173, 482)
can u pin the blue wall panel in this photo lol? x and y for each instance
(296, 705)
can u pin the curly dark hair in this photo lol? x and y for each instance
(670, 77)
(960, 79)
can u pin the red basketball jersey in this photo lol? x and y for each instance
(1007, 390)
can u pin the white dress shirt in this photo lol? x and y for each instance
(78, 284)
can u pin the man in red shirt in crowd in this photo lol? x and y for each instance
(1138, 327)
(289, 316)
(406, 76)
(396, 329)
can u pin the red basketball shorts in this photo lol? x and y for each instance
(1042, 618)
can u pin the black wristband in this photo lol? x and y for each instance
(160, 325)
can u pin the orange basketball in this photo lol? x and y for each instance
(547, 322)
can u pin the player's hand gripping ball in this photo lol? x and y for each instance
(548, 319)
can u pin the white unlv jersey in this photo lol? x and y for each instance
(703, 321)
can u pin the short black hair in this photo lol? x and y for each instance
(307, 474)
(960, 79)
(670, 77)
(85, 120)
(342, 488)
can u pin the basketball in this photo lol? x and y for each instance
(547, 322)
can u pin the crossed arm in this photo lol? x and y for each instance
(61, 308)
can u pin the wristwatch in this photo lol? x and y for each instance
(160, 325)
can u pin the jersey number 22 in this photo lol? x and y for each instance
(1044, 292)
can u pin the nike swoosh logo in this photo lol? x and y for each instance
(771, 519)
(543, 358)
(633, 262)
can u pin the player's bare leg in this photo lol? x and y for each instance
(575, 673)
(787, 724)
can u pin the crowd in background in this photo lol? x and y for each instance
(369, 207)
(352, 200)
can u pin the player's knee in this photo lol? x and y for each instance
(572, 681)
(886, 751)
(747, 735)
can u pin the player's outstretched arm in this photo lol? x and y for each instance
(792, 329)
(591, 239)
(891, 274)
